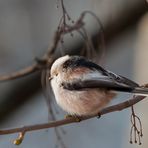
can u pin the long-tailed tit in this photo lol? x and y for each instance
(82, 87)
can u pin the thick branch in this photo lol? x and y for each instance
(66, 121)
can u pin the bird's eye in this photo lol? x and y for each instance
(56, 74)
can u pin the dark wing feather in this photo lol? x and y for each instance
(96, 83)
(107, 79)
(79, 61)
(121, 79)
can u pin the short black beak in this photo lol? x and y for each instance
(50, 78)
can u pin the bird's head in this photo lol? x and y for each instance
(57, 66)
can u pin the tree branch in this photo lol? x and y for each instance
(49, 56)
(113, 108)
(137, 8)
(21, 73)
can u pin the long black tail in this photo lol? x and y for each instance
(141, 91)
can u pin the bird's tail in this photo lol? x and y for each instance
(140, 91)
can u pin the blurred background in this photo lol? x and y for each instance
(26, 31)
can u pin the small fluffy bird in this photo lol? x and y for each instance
(82, 87)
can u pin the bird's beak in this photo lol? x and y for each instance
(50, 78)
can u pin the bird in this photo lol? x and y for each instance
(82, 87)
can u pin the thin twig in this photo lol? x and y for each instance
(20, 73)
(48, 57)
(136, 130)
(113, 108)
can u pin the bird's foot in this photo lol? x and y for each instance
(99, 115)
(77, 118)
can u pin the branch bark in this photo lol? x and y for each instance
(113, 108)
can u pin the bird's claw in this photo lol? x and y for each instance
(99, 116)
(77, 118)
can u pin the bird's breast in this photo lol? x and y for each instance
(85, 102)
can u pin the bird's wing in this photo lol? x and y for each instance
(121, 79)
(86, 74)
(93, 80)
